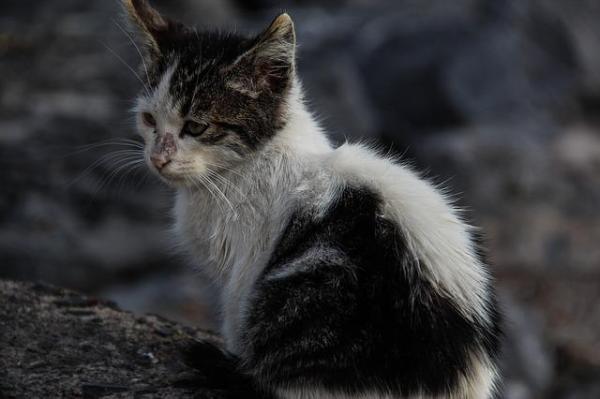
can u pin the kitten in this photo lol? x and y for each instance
(341, 273)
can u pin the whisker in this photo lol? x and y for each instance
(91, 167)
(213, 194)
(218, 190)
(112, 157)
(136, 47)
(228, 184)
(132, 169)
(118, 167)
(128, 67)
(145, 175)
(216, 193)
(200, 183)
(75, 150)
(223, 167)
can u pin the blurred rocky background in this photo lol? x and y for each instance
(499, 99)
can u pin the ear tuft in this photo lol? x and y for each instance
(278, 41)
(150, 23)
(282, 27)
(269, 64)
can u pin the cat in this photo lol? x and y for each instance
(341, 273)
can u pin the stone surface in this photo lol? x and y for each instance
(57, 343)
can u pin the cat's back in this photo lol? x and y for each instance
(378, 283)
(421, 213)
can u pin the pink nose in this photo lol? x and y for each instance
(159, 160)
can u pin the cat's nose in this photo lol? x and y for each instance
(159, 160)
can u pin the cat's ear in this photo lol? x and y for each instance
(151, 26)
(278, 42)
(271, 60)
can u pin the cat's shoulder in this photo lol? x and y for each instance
(396, 182)
(432, 226)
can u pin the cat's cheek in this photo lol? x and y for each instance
(144, 134)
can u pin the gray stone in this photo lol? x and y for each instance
(57, 343)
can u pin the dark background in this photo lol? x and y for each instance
(499, 99)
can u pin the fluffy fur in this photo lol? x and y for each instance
(341, 273)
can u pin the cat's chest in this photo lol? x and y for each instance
(230, 248)
(219, 237)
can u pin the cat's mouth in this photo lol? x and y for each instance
(168, 172)
(179, 172)
(174, 173)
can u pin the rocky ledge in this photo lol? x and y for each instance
(58, 343)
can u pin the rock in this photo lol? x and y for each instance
(57, 343)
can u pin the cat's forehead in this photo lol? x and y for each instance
(197, 52)
(192, 67)
(156, 97)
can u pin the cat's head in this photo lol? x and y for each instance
(211, 99)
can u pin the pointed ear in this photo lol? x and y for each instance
(271, 60)
(278, 41)
(151, 26)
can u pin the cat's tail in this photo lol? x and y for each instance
(218, 374)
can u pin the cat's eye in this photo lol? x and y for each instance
(193, 128)
(149, 119)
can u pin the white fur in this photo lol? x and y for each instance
(480, 383)
(159, 103)
(440, 241)
(234, 243)
(231, 237)
(438, 238)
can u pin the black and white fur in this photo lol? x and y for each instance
(341, 273)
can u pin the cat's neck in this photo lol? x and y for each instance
(301, 134)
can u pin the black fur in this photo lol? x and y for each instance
(358, 319)
(217, 371)
(201, 84)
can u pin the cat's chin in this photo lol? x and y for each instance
(178, 181)
(179, 175)
(172, 179)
